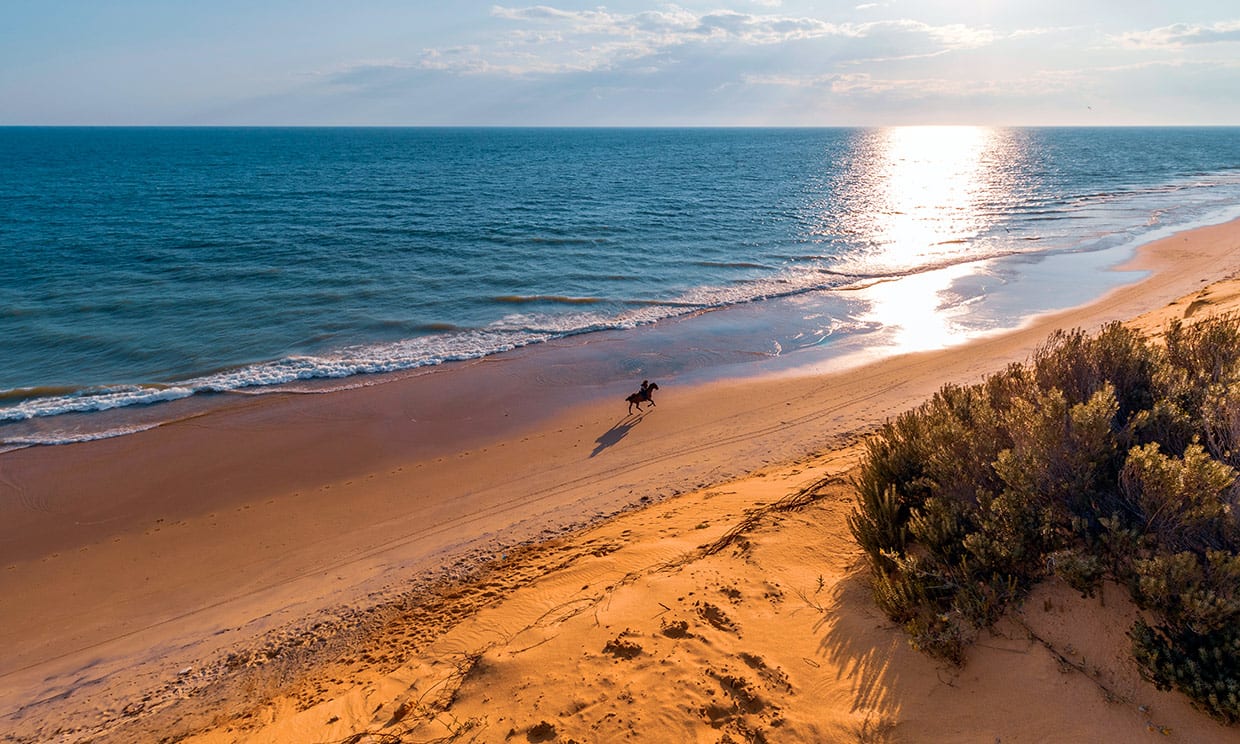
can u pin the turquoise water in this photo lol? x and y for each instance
(146, 265)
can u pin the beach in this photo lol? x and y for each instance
(266, 571)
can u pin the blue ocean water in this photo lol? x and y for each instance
(146, 264)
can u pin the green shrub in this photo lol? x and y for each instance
(1165, 422)
(1205, 667)
(878, 526)
(1081, 569)
(1191, 591)
(1207, 352)
(940, 525)
(1220, 418)
(1182, 500)
(1079, 365)
(898, 595)
(1062, 458)
(1104, 457)
(1195, 359)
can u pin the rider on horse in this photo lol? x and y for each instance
(644, 395)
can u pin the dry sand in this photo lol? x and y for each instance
(246, 574)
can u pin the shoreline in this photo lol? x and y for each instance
(725, 340)
(285, 506)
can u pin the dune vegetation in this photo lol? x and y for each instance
(1105, 458)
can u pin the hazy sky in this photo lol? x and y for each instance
(718, 62)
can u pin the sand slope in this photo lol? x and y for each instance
(740, 614)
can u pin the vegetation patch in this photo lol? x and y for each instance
(1105, 457)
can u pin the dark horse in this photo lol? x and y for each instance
(642, 396)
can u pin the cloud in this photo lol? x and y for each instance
(1024, 33)
(1182, 34)
(545, 41)
(953, 36)
(669, 27)
(861, 84)
(552, 39)
(459, 60)
(543, 64)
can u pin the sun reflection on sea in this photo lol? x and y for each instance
(930, 180)
(916, 313)
(923, 191)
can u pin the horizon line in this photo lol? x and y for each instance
(609, 126)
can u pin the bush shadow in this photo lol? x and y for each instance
(861, 644)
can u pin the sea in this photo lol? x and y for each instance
(145, 266)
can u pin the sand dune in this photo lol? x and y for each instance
(735, 614)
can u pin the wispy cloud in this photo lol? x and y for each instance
(544, 63)
(545, 40)
(1182, 34)
(1024, 33)
(670, 26)
(861, 84)
(953, 36)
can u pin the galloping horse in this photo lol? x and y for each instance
(642, 396)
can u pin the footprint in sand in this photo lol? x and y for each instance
(741, 691)
(715, 616)
(622, 649)
(773, 676)
(540, 732)
(675, 629)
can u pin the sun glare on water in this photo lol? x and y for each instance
(929, 183)
(924, 189)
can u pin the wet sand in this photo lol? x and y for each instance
(131, 563)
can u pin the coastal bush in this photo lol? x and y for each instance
(1105, 457)
(1202, 666)
(1185, 502)
(1206, 352)
(1078, 365)
(1220, 416)
(879, 525)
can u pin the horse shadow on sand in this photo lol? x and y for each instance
(617, 432)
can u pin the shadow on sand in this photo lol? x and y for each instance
(865, 649)
(616, 432)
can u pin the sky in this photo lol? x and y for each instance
(710, 63)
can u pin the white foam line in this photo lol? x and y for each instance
(16, 443)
